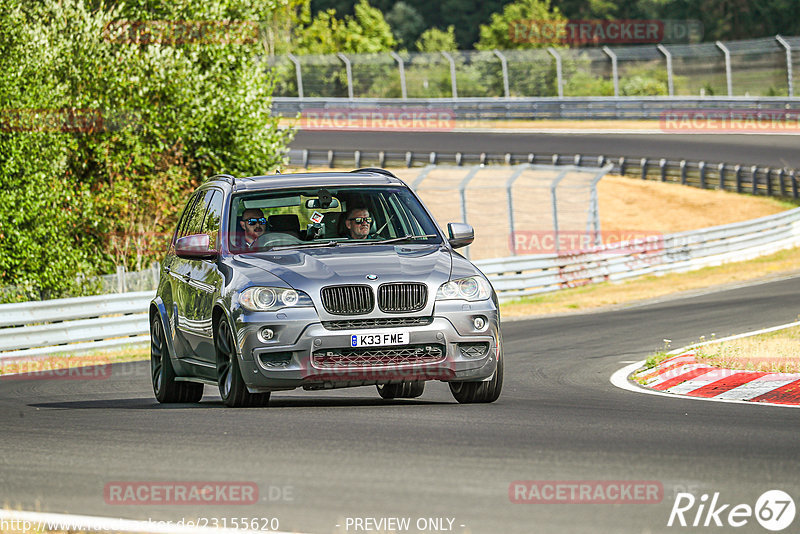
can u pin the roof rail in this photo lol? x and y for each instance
(224, 177)
(375, 170)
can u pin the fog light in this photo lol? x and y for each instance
(265, 334)
(479, 323)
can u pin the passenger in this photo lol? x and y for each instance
(358, 223)
(254, 225)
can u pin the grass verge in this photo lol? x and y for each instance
(72, 361)
(772, 352)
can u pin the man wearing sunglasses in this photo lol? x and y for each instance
(254, 225)
(358, 223)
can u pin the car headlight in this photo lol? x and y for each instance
(272, 298)
(471, 288)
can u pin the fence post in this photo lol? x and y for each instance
(559, 80)
(614, 72)
(555, 159)
(782, 181)
(683, 172)
(409, 159)
(305, 158)
(401, 67)
(662, 166)
(510, 201)
(381, 159)
(349, 72)
(702, 168)
(298, 74)
(453, 84)
(768, 176)
(462, 189)
(622, 166)
(330, 159)
(577, 160)
(644, 168)
(788, 48)
(754, 179)
(504, 67)
(668, 56)
(432, 158)
(120, 279)
(727, 66)
(357, 158)
(554, 200)
(721, 176)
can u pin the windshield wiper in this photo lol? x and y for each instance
(304, 245)
(384, 241)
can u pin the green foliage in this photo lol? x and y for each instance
(406, 23)
(436, 40)
(365, 32)
(162, 116)
(501, 32)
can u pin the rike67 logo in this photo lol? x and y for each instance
(774, 510)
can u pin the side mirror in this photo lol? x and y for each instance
(195, 247)
(461, 234)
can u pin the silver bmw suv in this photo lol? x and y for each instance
(324, 280)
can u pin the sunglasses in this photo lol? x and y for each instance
(361, 220)
(257, 220)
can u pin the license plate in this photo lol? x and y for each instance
(377, 338)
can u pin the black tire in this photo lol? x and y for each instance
(474, 392)
(404, 390)
(166, 389)
(232, 388)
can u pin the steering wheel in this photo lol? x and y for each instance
(274, 239)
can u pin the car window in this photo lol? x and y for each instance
(187, 214)
(213, 215)
(300, 214)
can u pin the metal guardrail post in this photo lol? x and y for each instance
(348, 69)
(794, 184)
(622, 166)
(381, 159)
(768, 176)
(788, 48)
(409, 159)
(305, 158)
(668, 56)
(357, 158)
(701, 167)
(559, 73)
(754, 179)
(504, 67)
(453, 85)
(662, 165)
(727, 66)
(782, 181)
(298, 74)
(330, 158)
(402, 68)
(643, 164)
(738, 173)
(555, 159)
(510, 202)
(614, 71)
(683, 172)
(721, 169)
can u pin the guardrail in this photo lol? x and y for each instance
(521, 276)
(528, 108)
(736, 177)
(81, 324)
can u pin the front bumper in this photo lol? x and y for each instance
(304, 353)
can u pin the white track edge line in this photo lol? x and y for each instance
(110, 524)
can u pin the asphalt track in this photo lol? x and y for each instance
(768, 150)
(349, 454)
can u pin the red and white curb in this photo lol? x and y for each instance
(682, 375)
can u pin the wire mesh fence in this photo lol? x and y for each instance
(754, 67)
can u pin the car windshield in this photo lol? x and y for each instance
(318, 217)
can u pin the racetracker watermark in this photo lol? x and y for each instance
(180, 493)
(55, 368)
(179, 32)
(376, 119)
(586, 492)
(64, 120)
(582, 32)
(737, 120)
(578, 241)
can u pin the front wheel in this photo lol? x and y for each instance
(232, 388)
(165, 387)
(488, 391)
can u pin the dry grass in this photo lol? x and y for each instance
(72, 361)
(775, 352)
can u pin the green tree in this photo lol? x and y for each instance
(365, 32)
(436, 40)
(406, 23)
(518, 26)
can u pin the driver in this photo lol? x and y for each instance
(254, 225)
(358, 222)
